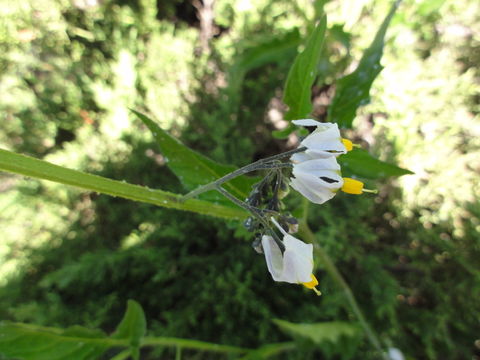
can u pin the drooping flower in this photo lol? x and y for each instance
(294, 265)
(320, 179)
(325, 141)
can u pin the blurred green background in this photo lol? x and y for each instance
(212, 74)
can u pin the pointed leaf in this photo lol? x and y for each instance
(360, 163)
(319, 333)
(28, 166)
(353, 90)
(194, 169)
(132, 327)
(298, 87)
(31, 342)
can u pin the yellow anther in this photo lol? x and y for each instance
(352, 186)
(348, 144)
(311, 284)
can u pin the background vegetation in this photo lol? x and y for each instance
(71, 70)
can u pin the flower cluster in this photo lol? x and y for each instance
(316, 172)
(316, 175)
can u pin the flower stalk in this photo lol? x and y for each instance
(262, 164)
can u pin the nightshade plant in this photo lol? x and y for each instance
(313, 169)
(315, 174)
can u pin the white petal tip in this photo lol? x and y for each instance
(306, 122)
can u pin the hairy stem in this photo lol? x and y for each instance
(262, 164)
(254, 211)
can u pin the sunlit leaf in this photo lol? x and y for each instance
(427, 7)
(28, 166)
(297, 93)
(31, 342)
(360, 163)
(132, 327)
(194, 169)
(353, 90)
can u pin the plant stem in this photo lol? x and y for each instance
(192, 344)
(262, 164)
(254, 211)
(332, 270)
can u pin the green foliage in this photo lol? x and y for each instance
(297, 92)
(360, 163)
(353, 90)
(31, 342)
(194, 169)
(410, 257)
(320, 333)
(132, 327)
(28, 166)
(332, 337)
(266, 50)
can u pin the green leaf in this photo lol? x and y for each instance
(194, 169)
(132, 327)
(320, 333)
(263, 50)
(28, 166)
(353, 90)
(31, 342)
(298, 87)
(269, 350)
(428, 7)
(273, 49)
(360, 163)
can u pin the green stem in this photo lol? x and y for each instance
(254, 211)
(270, 350)
(122, 355)
(261, 164)
(332, 270)
(192, 344)
(28, 166)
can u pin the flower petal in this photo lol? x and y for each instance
(312, 190)
(325, 140)
(273, 257)
(297, 261)
(301, 157)
(312, 166)
(307, 122)
(302, 249)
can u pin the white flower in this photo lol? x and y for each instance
(318, 180)
(395, 354)
(325, 141)
(294, 265)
